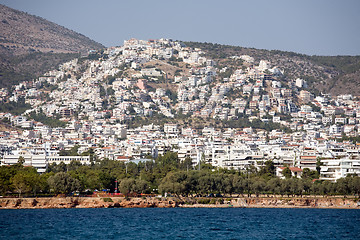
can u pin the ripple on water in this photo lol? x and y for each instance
(199, 223)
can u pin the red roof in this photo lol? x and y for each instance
(293, 169)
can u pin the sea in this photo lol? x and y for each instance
(180, 223)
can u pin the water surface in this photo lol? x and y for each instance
(179, 223)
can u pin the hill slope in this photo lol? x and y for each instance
(329, 74)
(30, 45)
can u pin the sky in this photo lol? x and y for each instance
(313, 27)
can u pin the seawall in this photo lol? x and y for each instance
(285, 202)
(85, 202)
(152, 202)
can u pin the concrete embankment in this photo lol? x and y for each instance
(120, 202)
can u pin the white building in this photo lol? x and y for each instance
(232, 157)
(171, 128)
(333, 169)
(40, 162)
(300, 83)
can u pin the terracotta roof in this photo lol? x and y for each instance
(293, 169)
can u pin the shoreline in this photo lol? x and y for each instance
(184, 202)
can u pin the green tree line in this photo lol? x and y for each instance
(166, 174)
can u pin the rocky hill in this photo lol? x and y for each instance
(329, 74)
(30, 45)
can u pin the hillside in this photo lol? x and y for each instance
(30, 45)
(329, 74)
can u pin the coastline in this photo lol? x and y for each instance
(173, 202)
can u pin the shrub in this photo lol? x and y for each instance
(213, 201)
(204, 201)
(107, 199)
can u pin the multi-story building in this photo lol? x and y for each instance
(306, 96)
(334, 169)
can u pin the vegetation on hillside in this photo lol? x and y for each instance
(15, 108)
(323, 73)
(26, 67)
(345, 64)
(51, 122)
(30, 46)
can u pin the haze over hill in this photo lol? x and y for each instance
(22, 33)
(30, 45)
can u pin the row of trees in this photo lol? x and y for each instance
(202, 183)
(165, 174)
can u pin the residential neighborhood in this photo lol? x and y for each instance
(147, 97)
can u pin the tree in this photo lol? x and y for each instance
(43, 184)
(107, 180)
(6, 175)
(318, 188)
(285, 187)
(110, 91)
(307, 183)
(269, 169)
(26, 180)
(131, 185)
(127, 185)
(286, 172)
(343, 186)
(174, 182)
(50, 121)
(35, 182)
(186, 164)
(90, 152)
(355, 185)
(21, 160)
(309, 174)
(326, 188)
(92, 180)
(296, 186)
(273, 185)
(53, 167)
(318, 166)
(74, 165)
(257, 186)
(63, 183)
(72, 152)
(227, 183)
(21, 183)
(140, 186)
(205, 184)
(238, 184)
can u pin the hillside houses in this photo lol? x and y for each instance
(98, 99)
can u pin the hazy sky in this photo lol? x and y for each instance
(314, 27)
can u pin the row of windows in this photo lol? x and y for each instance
(68, 159)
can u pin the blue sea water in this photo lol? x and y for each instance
(179, 223)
